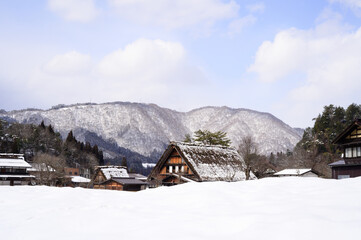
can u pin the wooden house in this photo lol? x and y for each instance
(186, 162)
(71, 171)
(13, 170)
(116, 178)
(349, 141)
(299, 172)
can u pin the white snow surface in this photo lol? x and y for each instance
(275, 208)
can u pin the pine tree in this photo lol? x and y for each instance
(42, 125)
(50, 129)
(124, 162)
(70, 137)
(188, 138)
(212, 138)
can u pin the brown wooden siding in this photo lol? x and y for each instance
(352, 171)
(111, 185)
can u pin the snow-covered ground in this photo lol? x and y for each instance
(277, 208)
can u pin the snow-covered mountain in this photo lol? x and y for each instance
(148, 128)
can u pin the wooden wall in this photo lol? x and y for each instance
(352, 171)
(111, 185)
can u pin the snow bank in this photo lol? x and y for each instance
(276, 208)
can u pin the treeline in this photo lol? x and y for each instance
(315, 150)
(39, 142)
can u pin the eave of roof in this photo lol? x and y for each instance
(347, 131)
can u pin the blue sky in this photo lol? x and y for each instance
(289, 58)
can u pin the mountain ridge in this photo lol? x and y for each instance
(148, 128)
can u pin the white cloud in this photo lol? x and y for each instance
(325, 61)
(74, 10)
(349, 3)
(173, 14)
(145, 70)
(148, 67)
(71, 63)
(256, 8)
(237, 25)
(354, 5)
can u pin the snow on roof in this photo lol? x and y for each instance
(114, 172)
(78, 179)
(150, 165)
(293, 172)
(16, 176)
(13, 160)
(40, 167)
(213, 163)
(137, 176)
(338, 163)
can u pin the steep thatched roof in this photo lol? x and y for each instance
(208, 163)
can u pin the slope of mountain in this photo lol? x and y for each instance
(148, 128)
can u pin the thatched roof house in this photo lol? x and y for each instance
(184, 162)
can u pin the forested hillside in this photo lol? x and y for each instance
(41, 143)
(315, 150)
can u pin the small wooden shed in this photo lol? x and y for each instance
(116, 178)
(296, 172)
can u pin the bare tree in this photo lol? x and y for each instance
(48, 168)
(248, 151)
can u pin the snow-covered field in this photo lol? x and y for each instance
(284, 208)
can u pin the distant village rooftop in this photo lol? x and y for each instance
(114, 171)
(13, 170)
(304, 172)
(13, 160)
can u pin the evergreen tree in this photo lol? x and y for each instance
(42, 125)
(124, 162)
(188, 138)
(352, 112)
(88, 147)
(70, 137)
(50, 129)
(212, 138)
(95, 150)
(101, 158)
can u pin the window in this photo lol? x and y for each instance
(343, 176)
(170, 169)
(348, 152)
(182, 169)
(176, 169)
(353, 152)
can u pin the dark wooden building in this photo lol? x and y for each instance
(350, 143)
(13, 170)
(116, 178)
(185, 162)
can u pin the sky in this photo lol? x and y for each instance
(288, 58)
